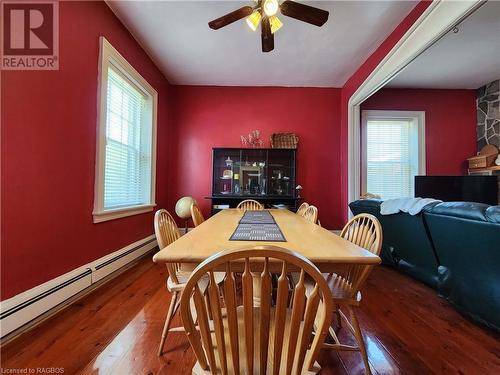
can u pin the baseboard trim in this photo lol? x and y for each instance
(17, 314)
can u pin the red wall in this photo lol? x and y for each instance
(207, 117)
(48, 155)
(358, 78)
(450, 123)
(49, 129)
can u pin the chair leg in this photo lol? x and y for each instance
(359, 339)
(168, 320)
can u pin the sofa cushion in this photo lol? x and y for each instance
(464, 210)
(493, 214)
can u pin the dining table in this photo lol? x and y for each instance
(326, 250)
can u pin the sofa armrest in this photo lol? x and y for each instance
(365, 204)
(493, 214)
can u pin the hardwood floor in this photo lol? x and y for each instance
(115, 330)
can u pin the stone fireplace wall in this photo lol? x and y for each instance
(488, 118)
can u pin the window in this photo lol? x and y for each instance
(393, 152)
(126, 139)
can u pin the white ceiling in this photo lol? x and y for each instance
(465, 60)
(176, 35)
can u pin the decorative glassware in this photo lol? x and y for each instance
(253, 139)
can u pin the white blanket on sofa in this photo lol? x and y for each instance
(413, 206)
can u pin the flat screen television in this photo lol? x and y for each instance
(482, 189)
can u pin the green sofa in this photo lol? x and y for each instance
(407, 245)
(454, 247)
(467, 240)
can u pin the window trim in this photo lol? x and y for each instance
(418, 116)
(108, 55)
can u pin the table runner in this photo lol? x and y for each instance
(257, 226)
(257, 217)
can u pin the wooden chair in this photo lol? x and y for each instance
(302, 209)
(311, 214)
(250, 339)
(365, 231)
(250, 204)
(166, 232)
(196, 214)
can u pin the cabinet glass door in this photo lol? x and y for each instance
(226, 164)
(281, 172)
(252, 177)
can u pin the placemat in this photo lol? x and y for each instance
(257, 217)
(257, 232)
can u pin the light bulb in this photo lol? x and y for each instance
(275, 24)
(253, 20)
(271, 7)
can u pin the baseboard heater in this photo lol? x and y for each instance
(109, 264)
(27, 306)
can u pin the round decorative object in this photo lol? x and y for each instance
(183, 207)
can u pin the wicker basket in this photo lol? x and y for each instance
(284, 140)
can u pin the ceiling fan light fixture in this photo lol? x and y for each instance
(263, 13)
(253, 20)
(275, 24)
(270, 7)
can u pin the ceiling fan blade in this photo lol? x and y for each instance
(236, 15)
(266, 35)
(304, 12)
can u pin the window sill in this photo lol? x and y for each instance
(101, 216)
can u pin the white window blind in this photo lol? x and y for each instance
(127, 167)
(391, 157)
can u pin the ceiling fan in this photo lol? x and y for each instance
(265, 12)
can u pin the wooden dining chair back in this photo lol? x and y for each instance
(302, 209)
(311, 214)
(365, 231)
(272, 338)
(249, 205)
(166, 232)
(196, 214)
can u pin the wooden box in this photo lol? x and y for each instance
(485, 159)
(481, 161)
